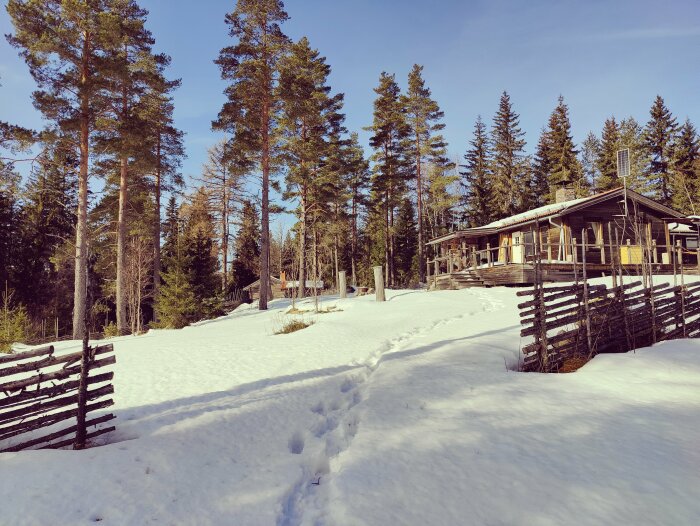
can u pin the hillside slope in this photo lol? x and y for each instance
(405, 412)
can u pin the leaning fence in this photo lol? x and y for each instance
(581, 320)
(41, 392)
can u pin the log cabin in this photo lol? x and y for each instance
(619, 226)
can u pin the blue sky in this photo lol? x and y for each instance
(606, 57)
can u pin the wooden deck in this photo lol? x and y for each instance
(524, 274)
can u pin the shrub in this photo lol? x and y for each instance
(14, 323)
(110, 330)
(292, 325)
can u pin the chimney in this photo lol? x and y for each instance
(564, 194)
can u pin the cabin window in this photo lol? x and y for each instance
(691, 243)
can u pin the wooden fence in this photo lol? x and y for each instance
(41, 390)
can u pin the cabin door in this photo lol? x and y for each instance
(517, 248)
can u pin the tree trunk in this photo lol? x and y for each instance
(80, 278)
(156, 227)
(353, 241)
(265, 210)
(302, 245)
(224, 225)
(419, 189)
(122, 323)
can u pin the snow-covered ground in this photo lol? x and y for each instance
(403, 412)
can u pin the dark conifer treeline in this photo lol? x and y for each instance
(109, 106)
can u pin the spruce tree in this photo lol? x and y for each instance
(511, 188)
(565, 170)
(606, 163)
(542, 169)
(245, 265)
(477, 177)
(590, 149)
(424, 117)
(685, 179)
(632, 138)
(177, 304)
(47, 227)
(199, 234)
(659, 136)
(251, 110)
(406, 243)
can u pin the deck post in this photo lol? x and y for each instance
(654, 255)
(698, 256)
(488, 254)
(427, 271)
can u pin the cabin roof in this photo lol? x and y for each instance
(552, 211)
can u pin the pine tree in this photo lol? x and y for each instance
(359, 177)
(63, 43)
(511, 189)
(423, 116)
(251, 110)
(659, 136)
(165, 150)
(389, 140)
(607, 157)
(310, 121)
(685, 179)
(223, 180)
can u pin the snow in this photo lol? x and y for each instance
(541, 212)
(402, 412)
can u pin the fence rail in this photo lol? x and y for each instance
(40, 390)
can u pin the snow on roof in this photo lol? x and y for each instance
(542, 211)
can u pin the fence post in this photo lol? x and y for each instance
(612, 257)
(585, 293)
(342, 285)
(379, 284)
(427, 272)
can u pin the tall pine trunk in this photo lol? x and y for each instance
(419, 189)
(353, 241)
(156, 226)
(302, 245)
(265, 209)
(81, 246)
(122, 323)
(224, 227)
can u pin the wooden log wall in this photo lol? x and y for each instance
(39, 393)
(582, 320)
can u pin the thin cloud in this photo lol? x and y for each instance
(646, 34)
